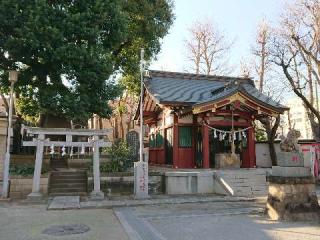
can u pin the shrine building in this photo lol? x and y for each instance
(203, 121)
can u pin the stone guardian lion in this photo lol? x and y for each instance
(290, 143)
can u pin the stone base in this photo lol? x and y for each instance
(227, 161)
(189, 182)
(292, 199)
(97, 195)
(5, 199)
(290, 159)
(141, 184)
(35, 197)
(291, 171)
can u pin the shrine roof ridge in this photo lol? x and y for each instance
(193, 76)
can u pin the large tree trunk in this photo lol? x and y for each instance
(315, 127)
(116, 132)
(121, 126)
(271, 135)
(310, 108)
(42, 119)
(100, 123)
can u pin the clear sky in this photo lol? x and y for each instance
(238, 20)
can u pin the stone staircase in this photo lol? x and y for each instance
(68, 183)
(58, 162)
(243, 182)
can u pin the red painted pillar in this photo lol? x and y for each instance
(205, 144)
(194, 131)
(175, 142)
(251, 148)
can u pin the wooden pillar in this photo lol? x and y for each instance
(175, 142)
(251, 148)
(205, 144)
(35, 194)
(194, 140)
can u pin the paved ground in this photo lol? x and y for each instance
(218, 221)
(29, 221)
(188, 221)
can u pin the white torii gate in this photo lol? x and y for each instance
(41, 141)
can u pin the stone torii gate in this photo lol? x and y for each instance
(41, 141)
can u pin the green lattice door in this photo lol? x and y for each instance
(169, 145)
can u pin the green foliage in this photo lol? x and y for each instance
(122, 109)
(260, 135)
(68, 51)
(149, 22)
(131, 83)
(24, 170)
(120, 158)
(108, 167)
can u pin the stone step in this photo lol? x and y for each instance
(68, 185)
(245, 177)
(246, 182)
(58, 166)
(68, 174)
(57, 161)
(68, 194)
(53, 166)
(59, 173)
(68, 180)
(67, 190)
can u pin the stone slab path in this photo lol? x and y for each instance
(64, 202)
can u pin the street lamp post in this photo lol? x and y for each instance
(141, 174)
(13, 77)
(141, 104)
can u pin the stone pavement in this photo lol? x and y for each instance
(33, 222)
(207, 221)
(64, 203)
(164, 217)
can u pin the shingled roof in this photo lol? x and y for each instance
(194, 89)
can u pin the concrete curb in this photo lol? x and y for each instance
(108, 204)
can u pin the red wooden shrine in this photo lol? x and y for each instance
(180, 109)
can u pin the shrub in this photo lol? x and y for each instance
(24, 170)
(120, 158)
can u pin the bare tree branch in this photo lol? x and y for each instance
(207, 49)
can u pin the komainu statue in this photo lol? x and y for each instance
(290, 143)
